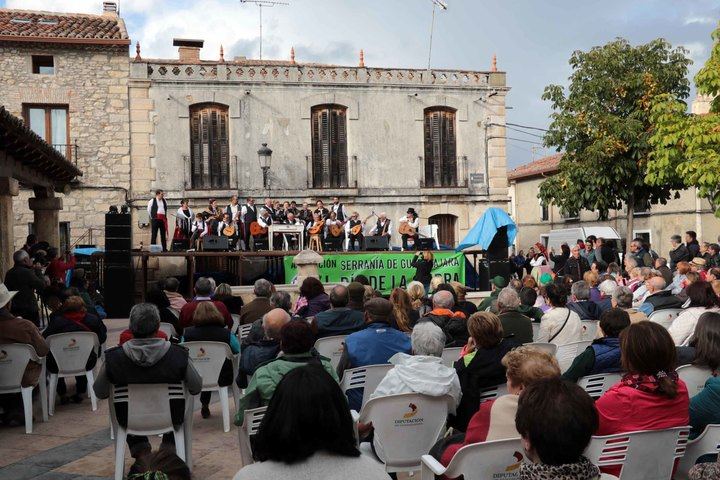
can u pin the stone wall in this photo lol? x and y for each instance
(92, 82)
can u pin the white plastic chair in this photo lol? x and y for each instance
(405, 426)
(331, 347)
(644, 455)
(249, 427)
(493, 392)
(589, 329)
(236, 323)
(450, 355)
(148, 413)
(168, 329)
(244, 331)
(708, 443)
(596, 385)
(536, 330)
(208, 359)
(430, 231)
(14, 358)
(694, 377)
(71, 351)
(550, 348)
(479, 461)
(566, 353)
(665, 317)
(367, 378)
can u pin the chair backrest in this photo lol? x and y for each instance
(589, 329)
(14, 358)
(167, 329)
(71, 350)
(536, 330)
(244, 330)
(694, 377)
(208, 359)
(430, 231)
(367, 378)
(407, 426)
(493, 392)
(148, 406)
(480, 461)
(252, 420)
(331, 347)
(236, 323)
(566, 353)
(449, 355)
(665, 316)
(644, 455)
(550, 348)
(708, 443)
(175, 312)
(596, 385)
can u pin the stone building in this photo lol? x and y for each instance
(66, 75)
(383, 139)
(656, 224)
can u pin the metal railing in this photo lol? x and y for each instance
(446, 179)
(68, 150)
(350, 180)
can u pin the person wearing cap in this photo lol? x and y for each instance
(698, 265)
(25, 278)
(497, 283)
(372, 346)
(411, 218)
(14, 329)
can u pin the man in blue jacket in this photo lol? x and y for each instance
(372, 346)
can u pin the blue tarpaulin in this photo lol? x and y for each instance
(86, 251)
(483, 232)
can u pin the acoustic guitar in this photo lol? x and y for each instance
(335, 230)
(316, 228)
(406, 229)
(359, 227)
(229, 231)
(256, 229)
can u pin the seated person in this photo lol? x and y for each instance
(481, 366)
(702, 299)
(556, 420)
(528, 297)
(559, 325)
(177, 301)
(581, 303)
(296, 345)
(307, 433)
(603, 355)
(606, 289)
(73, 317)
(146, 359)
(622, 298)
(658, 298)
(260, 305)
(515, 325)
(234, 303)
(203, 293)
(339, 320)
(495, 420)
(453, 324)
(209, 326)
(157, 296)
(257, 352)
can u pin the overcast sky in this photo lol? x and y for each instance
(533, 39)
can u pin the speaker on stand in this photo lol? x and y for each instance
(118, 283)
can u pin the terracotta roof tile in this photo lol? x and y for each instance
(34, 26)
(538, 167)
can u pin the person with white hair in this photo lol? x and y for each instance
(25, 278)
(658, 297)
(423, 371)
(383, 227)
(606, 287)
(514, 323)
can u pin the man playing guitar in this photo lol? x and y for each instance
(321, 210)
(228, 228)
(334, 233)
(248, 215)
(383, 227)
(408, 228)
(354, 229)
(260, 235)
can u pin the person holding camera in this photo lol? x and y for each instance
(423, 263)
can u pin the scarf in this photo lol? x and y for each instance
(444, 312)
(582, 470)
(647, 383)
(77, 318)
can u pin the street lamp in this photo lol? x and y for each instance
(264, 156)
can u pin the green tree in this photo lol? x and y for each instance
(687, 146)
(602, 123)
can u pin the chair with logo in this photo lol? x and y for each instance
(479, 461)
(643, 455)
(589, 329)
(694, 377)
(331, 347)
(405, 426)
(367, 378)
(208, 359)
(249, 427)
(596, 385)
(149, 413)
(14, 358)
(566, 353)
(665, 317)
(450, 355)
(71, 352)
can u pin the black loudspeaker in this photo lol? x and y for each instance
(425, 244)
(483, 275)
(376, 243)
(117, 257)
(500, 267)
(118, 290)
(214, 243)
(498, 248)
(118, 231)
(180, 245)
(117, 219)
(117, 244)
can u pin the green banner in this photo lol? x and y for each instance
(384, 270)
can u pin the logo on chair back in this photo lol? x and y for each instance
(518, 456)
(201, 356)
(71, 346)
(410, 417)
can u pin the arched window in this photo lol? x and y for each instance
(329, 146)
(209, 151)
(446, 227)
(440, 151)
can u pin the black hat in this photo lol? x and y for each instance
(411, 210)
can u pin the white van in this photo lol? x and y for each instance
(571, 235)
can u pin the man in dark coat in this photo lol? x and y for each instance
(576, 265)
(678, 252)
(258, 306)
(260, 351)
(581, 303)
(26, 279)
(453, 324)
(340, 319)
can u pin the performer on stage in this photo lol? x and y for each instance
(233, 208)
(228, 228)
(157, 210)
(412, 221)
(183, 223)
(321, 210)
(248, 214)
(383, 227)
(212, 209)
(334, 233)
(293, 208)
(305, 214)
(354, 229)
(268, 205)
(292, 238)
(339, 209)
(199, 230)
(265, 220)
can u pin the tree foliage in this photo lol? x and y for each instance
(602, 123)
(687, 146)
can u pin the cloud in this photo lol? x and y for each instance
(702, 20)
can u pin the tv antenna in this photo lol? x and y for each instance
(443, 6)
(261, 4)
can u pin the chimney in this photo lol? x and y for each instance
(188, 49)
(110, 9)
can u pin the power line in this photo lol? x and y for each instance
(527, 126)
(520, 140)
(524, 132)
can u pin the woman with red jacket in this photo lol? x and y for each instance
(650, 395)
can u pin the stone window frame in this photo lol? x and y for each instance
(207, 184)
(32, 63)
(323, 157)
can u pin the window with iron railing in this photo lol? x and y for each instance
(441, 165)
(52, 124)
(209, 146)
(329, 146)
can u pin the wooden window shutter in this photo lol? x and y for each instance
(342, 180)
(429, 159)
(195, 155)
(449, 164)
(209, 147)
(224, 149)
(316, 149)
(440, 151)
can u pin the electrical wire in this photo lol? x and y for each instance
(524, 132)
(521, 140)
(527, 126)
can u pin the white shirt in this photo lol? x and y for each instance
(375, 230)
(264, 222)
(683, 327)
(181, 214)
(413, 223)
(552, 321)
(160, 206)
(199, 225)
(538, 262)
(246, 207)
(233, 211)
(221, 226)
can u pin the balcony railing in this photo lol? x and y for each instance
(445, 174)
(69, 150)
(328, 180)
